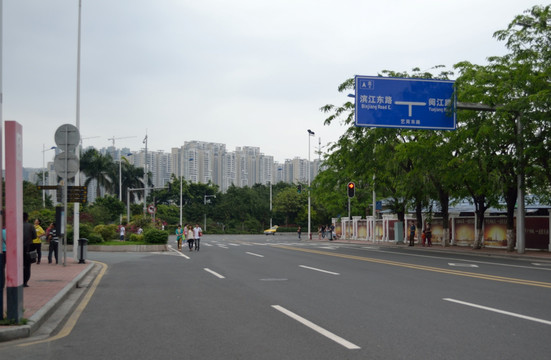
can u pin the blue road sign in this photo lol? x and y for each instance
(404, 103)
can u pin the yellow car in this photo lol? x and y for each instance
(271, 231)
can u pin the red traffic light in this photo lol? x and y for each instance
(351, 189)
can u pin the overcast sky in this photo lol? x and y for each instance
(239, 72)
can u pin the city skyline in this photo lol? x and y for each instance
(203, 162)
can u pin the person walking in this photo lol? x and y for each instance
(53, 240)
(197, 233)
(122, 232)
(37, 243)
(412, 234)
(189, 236)
(428, 235)
(2, 266)
(179, 234)
(29, 233)
(299, 231)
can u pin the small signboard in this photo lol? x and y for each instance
(404, 103)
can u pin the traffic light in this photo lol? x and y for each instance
(351, 189)
(299, 189)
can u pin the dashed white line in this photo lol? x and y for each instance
(463, 265)
(320, 270)
(214, 273)
(520, 316)
(339, 340)
(253, 254)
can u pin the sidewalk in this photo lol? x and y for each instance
(49, 285)
(485, 251)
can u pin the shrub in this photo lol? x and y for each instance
(136, 238)
(154, 236)
(94, 238)
(107, 232)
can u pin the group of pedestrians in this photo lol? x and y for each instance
(50, 236)
(326, 231)
(426, 236)
(189, 234)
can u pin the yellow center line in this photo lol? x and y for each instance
(72, 321)
(422, 267)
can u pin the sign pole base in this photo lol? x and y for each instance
(14, 301)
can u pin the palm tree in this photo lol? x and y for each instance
(132, 178)
(97, 166)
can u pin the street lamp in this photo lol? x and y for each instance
(43, 171)
(310, 134)
(205, 203)
(120, 180)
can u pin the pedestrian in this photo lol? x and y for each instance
(197, 233)
(299, 231)
(37, 243)
(423, 238)
(319, 232)
(412, 234)
(428, 235)
(189, 236)
(323, 228)
(2, 266)
(29, 233)
(53, 240)
(331, 232)
(122, 232)
(179, 233)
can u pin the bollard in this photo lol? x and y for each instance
(82, 250)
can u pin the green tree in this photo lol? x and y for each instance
(97, 166)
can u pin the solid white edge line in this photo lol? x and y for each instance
(546, 322)
(214, 273)
(253, 254)
(347, 344)
(178, 252)
(320, 270)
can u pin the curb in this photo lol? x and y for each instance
(39, 317)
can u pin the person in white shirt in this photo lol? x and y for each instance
(197, 233)
(122, 231)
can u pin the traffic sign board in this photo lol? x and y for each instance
(404, 103)
(66, 163)
(67, 137)
(151, 209)
(74, 194)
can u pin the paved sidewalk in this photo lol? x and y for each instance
(48, 287)
(485, 251)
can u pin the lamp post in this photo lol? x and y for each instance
(43, 171)
(120, 181)
(205, 203)
(310, 134)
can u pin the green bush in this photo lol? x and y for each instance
(107, 232)
(94, 238)
(136, 238)
(154, 236)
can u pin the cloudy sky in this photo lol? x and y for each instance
(240, 72)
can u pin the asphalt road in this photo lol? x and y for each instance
(273, 297)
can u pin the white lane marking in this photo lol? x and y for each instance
(206, 244)
(178, 252)
(540, 264)
(339, 340)
(463, 265)
(253, 254)
(546, 322)
(320, 270)
(232, 244)
(223, 246)
(214, 273)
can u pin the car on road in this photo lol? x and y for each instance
(271, 231)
